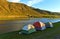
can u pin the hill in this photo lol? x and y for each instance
(9, 10)
(16, 9)
(47, 13)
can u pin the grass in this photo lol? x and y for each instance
(13, 18)
(49, 33)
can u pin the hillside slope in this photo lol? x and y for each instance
(9, 10)
(16, 9)
(45, 11)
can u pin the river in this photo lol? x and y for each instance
(9, 26)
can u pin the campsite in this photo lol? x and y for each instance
(49, 33)
(29, 19)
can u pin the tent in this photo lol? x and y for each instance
(48, 25)
(39, 26)
(28, 29)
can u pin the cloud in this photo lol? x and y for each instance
(28, 2)
(17, 1)
(32, 2)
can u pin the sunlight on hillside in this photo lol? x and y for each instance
(9, 10)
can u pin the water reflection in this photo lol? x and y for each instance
(45, 20)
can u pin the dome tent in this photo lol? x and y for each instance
(48, 25)
(39, 26)
(28, 29)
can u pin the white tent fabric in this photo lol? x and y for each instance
(42, 26)
(51, 25)
(28, 27)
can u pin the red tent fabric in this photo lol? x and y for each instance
(37, 24)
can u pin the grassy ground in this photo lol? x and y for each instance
(49, 33)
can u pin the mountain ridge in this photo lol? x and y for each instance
(16, 9)
(10, 9)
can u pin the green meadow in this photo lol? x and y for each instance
(49, 33)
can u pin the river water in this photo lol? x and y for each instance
(9, 26)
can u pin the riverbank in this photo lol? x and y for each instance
(23, 18)
(49, 33)
(15, 25)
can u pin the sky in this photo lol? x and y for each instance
(50, 5)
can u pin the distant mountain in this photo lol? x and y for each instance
(9, 9)
(45, 11)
